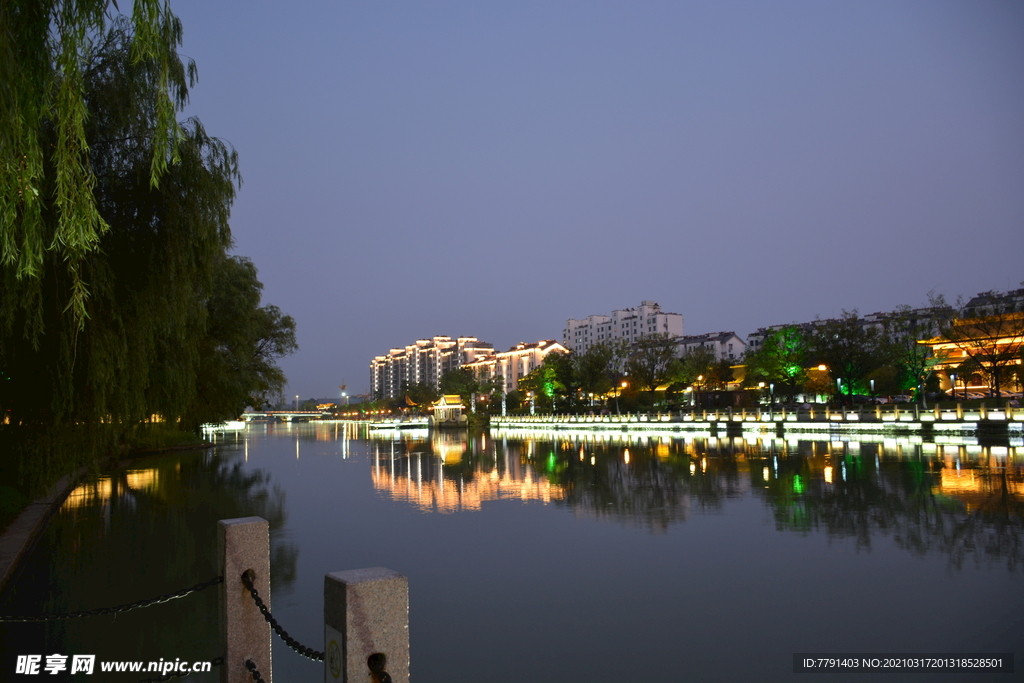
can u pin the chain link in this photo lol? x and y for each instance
(115, 610)
(216, 661)
(251, 666)
(291, 642)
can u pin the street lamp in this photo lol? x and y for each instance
(952, 381)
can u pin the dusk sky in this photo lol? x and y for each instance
(491, 169)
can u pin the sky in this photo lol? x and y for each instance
(490, 169)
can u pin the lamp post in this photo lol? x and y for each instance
(952, 382)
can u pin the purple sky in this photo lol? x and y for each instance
(491, 169)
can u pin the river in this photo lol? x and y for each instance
(555, 557)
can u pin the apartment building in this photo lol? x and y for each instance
(423, 362)
(515, 363)
(628, 323)
(725, 345)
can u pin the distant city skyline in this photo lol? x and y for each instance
(495, 169)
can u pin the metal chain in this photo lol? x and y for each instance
(115, 610)
(376, 662)
(291, 642)
(251, 666)
(216, 661)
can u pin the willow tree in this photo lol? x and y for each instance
(238, 352)
(49, 215)
(84, 371)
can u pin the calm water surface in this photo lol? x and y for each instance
(534, 557)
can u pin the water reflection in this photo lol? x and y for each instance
(961, 501)
(137, 533)
(449, 472)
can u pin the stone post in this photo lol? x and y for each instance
(244, 544)
(366, 622)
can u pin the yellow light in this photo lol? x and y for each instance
(593, 460)
(822, 368)
(828, 475)
(625, 456)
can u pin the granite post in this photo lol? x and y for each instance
(366, 626)
(244, 544)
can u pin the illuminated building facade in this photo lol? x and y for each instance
(423, 362)
(981, 355)
(515, 363)
(628, 323)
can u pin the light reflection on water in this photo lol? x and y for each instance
(654, 481)
(561, 556)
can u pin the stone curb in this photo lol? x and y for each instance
(21, 536)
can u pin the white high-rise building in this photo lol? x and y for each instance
(627, 323)
(423, 362)
(515, 363)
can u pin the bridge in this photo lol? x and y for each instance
(284, 415)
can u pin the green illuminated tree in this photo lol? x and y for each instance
(850, 350)
(780, 360)
(910, 362)
(543, 383)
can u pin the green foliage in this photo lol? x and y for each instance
(422, 394)
(49, 212)
(695, 368)
(172, 326)
(598, 368)
(460, 381)
(543, 384)
(649, 360)
(780, 360)
(849, 349)
(237, 355)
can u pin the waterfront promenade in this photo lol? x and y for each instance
(998, 424)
